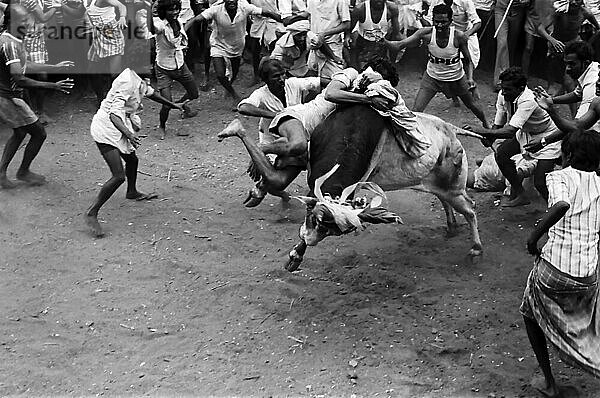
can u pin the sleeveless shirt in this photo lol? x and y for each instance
(369, 30)
(444, 63)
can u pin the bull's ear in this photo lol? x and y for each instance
(309, 201)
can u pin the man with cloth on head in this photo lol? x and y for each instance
(291, 49)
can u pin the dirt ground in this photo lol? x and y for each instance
(187, 295)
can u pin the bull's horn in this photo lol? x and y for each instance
(307, 200)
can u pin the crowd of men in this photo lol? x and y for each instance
(315, 54)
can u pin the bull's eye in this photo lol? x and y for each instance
(321, 228)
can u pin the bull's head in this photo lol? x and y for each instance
(331, 217)
(318, 223)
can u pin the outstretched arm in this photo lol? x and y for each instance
(272, 15)
(412, 41)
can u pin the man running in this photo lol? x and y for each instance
(14, 111)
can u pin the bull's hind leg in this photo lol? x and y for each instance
(450, 218)
(465, 206)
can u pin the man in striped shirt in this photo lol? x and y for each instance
(560, 300)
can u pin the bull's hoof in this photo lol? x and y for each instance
(293, 264)
(255, 196)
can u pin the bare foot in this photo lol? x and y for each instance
(188, 112)
(163, 132)
(234, 129)
(5, 183)
(141, 196)
(553, 391)
(31, 178)
(92, 222)
(203, 86)
(520, 200)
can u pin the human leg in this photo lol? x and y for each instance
(164, 111)
(543, 167)
(10, 149)
(186, 79)
(424, 96)
(540, 349)
(470, 103)
(37, 137)
(112, 157)
(502, 57)
(220, 70)
(254, 45)
(526, 60)
(272, 176)
(504, 152)
(235, 67)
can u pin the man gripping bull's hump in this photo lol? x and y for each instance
(294, 125)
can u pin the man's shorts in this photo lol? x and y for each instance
(165, 78)
(15, 113)
(450, 89)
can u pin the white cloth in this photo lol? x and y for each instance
(407, 14)
(586, 91)
(264, 28)
(123, 100)
(186, 12)
(530, 120)
(314, 112)
(407, 130)
(325, 15)
(296, 91)
(287, 8)
(572, 244)
(370, 30)
(228, 37)
(169, 48)
(488, 176)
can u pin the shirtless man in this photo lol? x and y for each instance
(295, 125)
(444, 71)
(14, 111)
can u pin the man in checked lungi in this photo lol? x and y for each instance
(560, 302)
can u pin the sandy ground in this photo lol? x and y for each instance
(186, 295)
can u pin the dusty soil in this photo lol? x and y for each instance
(186, 295)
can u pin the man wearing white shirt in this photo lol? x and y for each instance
(520, 120)
(228, 36)
(579, 66)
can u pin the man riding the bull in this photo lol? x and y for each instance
(295, 125)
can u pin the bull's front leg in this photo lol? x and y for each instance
(296, 256)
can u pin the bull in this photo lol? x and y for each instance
(360, 141)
